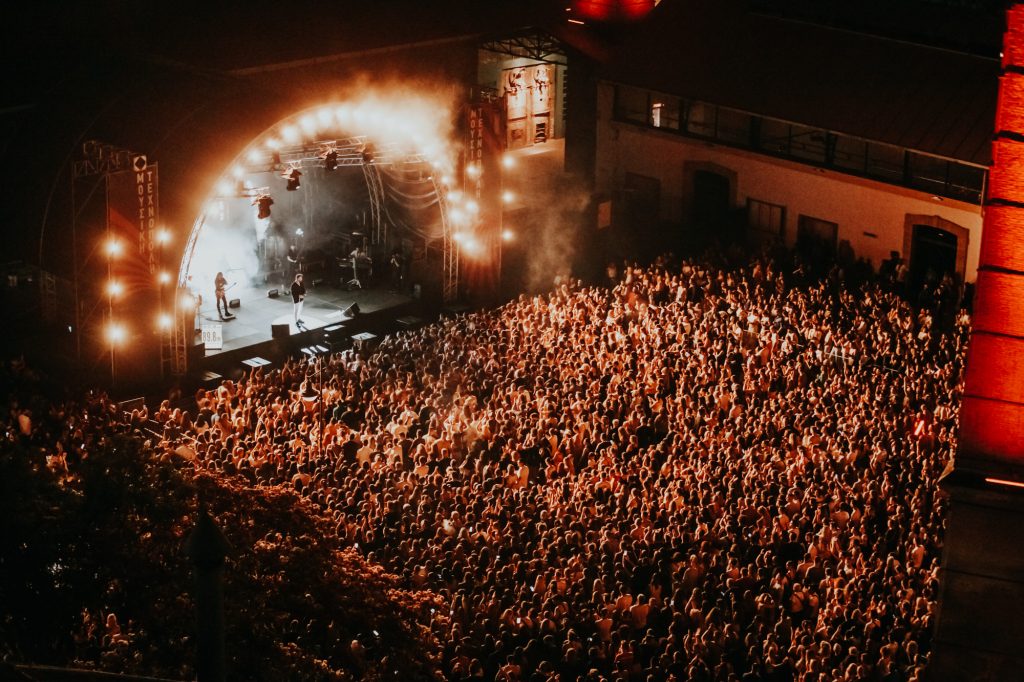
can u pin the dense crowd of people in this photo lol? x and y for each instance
(702, 473)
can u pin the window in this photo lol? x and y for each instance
(734, 126)
(765, 217)
(885, 162)
(631, 104)
(927, 172)
(665, 112)
(849, 153)
(774, 136)
(966, 182)
(807, 143)
(700, 119)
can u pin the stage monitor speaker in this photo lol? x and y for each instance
(235, 303)
(273, 293)
(279, 331)
(352, 310)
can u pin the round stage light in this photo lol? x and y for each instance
(308, 124)
(237, 172)
(224, 188)
(325, 116)
(473, 170)
(472, 207)
(508, 161)
(507, 235)
(113, 248)
(290, 134)
(454, 195)
(114, 288)
(254, 156)
(115, 332)
(508, 197)
(163, 236)
(164, 277)
(273, 143)
(163, 321)
(456, 215)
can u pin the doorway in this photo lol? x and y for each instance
(933, 254)
(710, 197)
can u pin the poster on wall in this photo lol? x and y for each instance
(529, 103)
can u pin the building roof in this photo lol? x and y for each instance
(933, 100)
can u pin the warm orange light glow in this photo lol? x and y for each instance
(163, 321)
(507, 235)
(237, 172)
(454, 195)
(1000, 481)
(115, 333)
(254, 156)
(472, 207)
(508, 197)
(223, 188)
(473, 170)
(290, 134)
(164, 277)
(273, 143)
(113, 248)
(114, 288)
(163, 236)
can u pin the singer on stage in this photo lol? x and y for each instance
(298, 296)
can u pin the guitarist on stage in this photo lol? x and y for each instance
(220, 284)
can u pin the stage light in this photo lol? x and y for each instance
(263, 202)
(325, 116)
(115, 333)
(507, 235)
(273, 143)
(237, 172)
(454, 195)
(299, 232)
(255, 155)
(456, 215)
(223, 188)
(508, 197)
(290, 134)
(446, 180)
(508, 161)
(473, 170)
(471, 245)
(163, 321)
(187, 301)
(163, 236)
(472, 206)
(458, 237)
(164, 277)
(308, 124)
(292, 176)
(331, 160)
(114, 288)
(113, 248)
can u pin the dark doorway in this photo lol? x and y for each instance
(932, 255)
(710, 198)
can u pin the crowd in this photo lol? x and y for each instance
(703, 472)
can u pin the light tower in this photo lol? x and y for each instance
(979, 630)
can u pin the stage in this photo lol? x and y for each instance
(250, 332)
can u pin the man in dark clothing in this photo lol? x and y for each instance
(298, 296)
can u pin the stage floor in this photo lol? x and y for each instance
(324, 306)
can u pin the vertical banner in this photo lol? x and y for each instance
(133, 208)
(483, 185)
